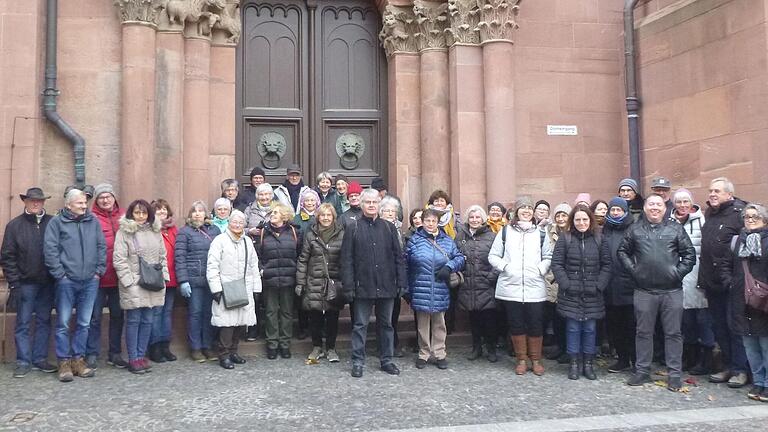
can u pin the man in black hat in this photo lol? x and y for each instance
(292, 188)
(31, 285)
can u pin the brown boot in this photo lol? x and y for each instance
(65, 371)
(79, 368)
(521, 354)
(534, 351)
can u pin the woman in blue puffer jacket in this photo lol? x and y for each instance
(432, 256)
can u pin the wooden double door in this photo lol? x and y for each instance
(311, 89)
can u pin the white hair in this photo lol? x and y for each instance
(237, 214)
(388, 202)
(476, 209)
(265, 187)
(727, 184)
(73, 194)
(370, 194)
(222, 202)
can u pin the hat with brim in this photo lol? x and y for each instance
(34, 193)
(293, 169)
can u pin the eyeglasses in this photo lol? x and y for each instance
(236, 222)
(752, 217)
(370, 202)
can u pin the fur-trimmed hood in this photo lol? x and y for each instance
(130, 226)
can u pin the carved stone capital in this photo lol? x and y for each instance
(465, 15)
(398, 29)
(228, 28)
(432, 20)
(198, 18)
(145, 11)
(497, 19)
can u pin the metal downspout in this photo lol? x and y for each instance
(632, 99)
(51, 92)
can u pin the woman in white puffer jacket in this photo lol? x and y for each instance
(698, 336)
(521, 257)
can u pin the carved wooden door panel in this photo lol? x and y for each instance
(311, 89)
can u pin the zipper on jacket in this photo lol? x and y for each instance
(82, 248)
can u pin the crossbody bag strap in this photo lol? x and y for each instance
(245, 270)
(437, 246)
(136, 245)
(325, 260)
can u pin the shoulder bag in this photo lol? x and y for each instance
(331, 290)
(457, 278)
(150, 275)
(755, 291)
(235, 293)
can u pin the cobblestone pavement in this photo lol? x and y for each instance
(284, 395)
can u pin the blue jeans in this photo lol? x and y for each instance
(138, 326)
(199, 328)
(161, 321)
(697, 327)
(581, 336)
(80, 295)
(361, 311)
(731, 345)
(756, 348)
(34, 299)
(106, 297)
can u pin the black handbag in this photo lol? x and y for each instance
(331, 289)
(235, 293)
(150, 275)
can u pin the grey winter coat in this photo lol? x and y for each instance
(693, 296)
(132, 240)
(311, 267)
(75, 247)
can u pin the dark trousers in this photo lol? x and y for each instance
(558, 324)
(361, 313)
(34, 300)
(731, 345)
(697, 327)
(229, 338)
(669, 308)
(450, 314)
(395, 320)
(525, 318)
(328, 320)
(620, 323)
(483, 325)
(502, 325)
(278, 305)
(110, 298)
(301, 314)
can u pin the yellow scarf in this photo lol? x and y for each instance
(497, 225)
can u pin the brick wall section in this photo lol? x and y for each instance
(703, 77)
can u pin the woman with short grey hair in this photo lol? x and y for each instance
(222, 208)
(476, 295)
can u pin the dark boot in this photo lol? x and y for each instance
(165, 350)
(477, 349)
(155, 354)
(690, 356)
(704, 366)
(490, 352)
(574, 371)
(589, 370)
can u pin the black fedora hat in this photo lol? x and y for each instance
(34, 193)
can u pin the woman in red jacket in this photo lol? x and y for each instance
(160, 340)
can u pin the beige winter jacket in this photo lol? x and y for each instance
(126, 261)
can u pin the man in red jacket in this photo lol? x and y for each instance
(108, 213)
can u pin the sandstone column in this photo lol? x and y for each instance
(169, 119)
(397, 36)
(465, 61)
(225, 35)
(197, 110)
(137, 135)
(497, 25)
(432, 19)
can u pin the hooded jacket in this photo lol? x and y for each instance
(22, 253)
(75, 247)
(477, 291)
(657, 255)
(426, 254)
(134, 240)
(110, 223)
(522, 260)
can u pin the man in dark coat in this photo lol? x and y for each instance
(373, 274)
(723, 221)
(31, 285)
(659, 253)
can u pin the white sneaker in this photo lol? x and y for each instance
(333, 357)
(316, 354)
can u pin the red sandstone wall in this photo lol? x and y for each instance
(704, 86)
(568, 65)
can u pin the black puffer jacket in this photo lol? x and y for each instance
(479, 288)
(742, 319)
(582, 269)
(22, 252)
(278, 250)
(191, 253)
(372, 262)
(310, 269)
(658, 256)
(721, 225)
(621, 287)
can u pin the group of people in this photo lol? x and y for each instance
(639, 270)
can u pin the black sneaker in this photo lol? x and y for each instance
(271, 353)
(117, 361)
(421, 363)
(285, 353)
(638, 379)
(754, 392)
(44, 366)
(391, 369)
(674, 384)
(619, 366)
(21, 371)
(441, 363)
